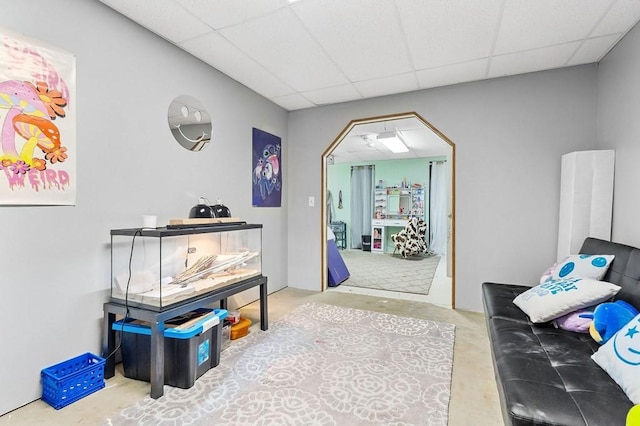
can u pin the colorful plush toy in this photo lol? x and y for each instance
(633, 416)
(578, 321)
(608, 318)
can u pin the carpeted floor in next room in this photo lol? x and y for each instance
(383, 271)
(474, 398)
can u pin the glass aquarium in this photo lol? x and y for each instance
(160, 268)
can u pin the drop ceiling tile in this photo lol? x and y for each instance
(530, 24)
(531, 60)
(281, 44)
(355, 144)
(342, 158)
(447, 32)
(594, 49)
(285, 50)
(452, 74)
(379, 154)
(621, 18)
(164, 17)
(220, 13)
(426, 142)
(362, 36)
(332, 95)
(387, 85)
(293, 102)
(220, 54)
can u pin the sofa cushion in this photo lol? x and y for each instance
(548, 273)
(557, 297)
(577, 321)
(583, 266)
(623, 271)
(620, 358)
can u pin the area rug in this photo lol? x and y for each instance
(382, 271)
(319, 365)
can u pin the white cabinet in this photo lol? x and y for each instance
(417, 201)
(380, 230)
(380, 203)
(377, 235)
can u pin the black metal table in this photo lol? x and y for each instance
(157, 318)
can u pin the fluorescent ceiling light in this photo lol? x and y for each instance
(393, 141)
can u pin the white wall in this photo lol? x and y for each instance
(510, 134)
(55, 265)
(619, 129)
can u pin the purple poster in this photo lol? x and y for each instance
(267, 171)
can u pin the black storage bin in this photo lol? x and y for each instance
(185, 358)
(366, 243)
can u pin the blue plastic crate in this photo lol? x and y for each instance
(72, 380)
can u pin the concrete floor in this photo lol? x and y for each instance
(474, 397)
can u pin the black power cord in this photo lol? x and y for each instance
(126, 296)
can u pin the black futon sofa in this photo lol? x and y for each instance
(545, 375)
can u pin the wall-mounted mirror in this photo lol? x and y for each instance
(190, 123)
(393, 204)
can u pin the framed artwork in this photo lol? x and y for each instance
(37, 122)
(267, 170)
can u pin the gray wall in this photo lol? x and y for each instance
(619, 129)
(56, 260)
(510, 134)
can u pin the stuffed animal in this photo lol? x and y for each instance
(578, 321)
(608, 318)
(633, 416)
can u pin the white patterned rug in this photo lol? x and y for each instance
(319, 365)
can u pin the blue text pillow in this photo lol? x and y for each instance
(591, 266)
(620, 358)
(557, 297)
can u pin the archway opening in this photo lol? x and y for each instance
(360, 142)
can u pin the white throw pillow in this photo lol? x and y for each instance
(620, 358)
(546, 275)
(591, 266)
(555, 298)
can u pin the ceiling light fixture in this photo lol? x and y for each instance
(393, 141)
(370, 140)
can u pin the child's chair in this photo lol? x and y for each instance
(411, 240)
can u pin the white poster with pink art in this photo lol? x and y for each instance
(37, 122)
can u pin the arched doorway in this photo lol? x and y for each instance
(361, 137)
